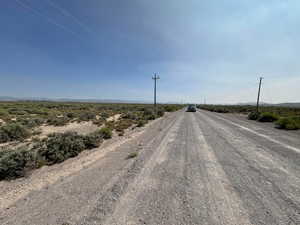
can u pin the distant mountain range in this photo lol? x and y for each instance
(291, 104)
(13, 99)
(286, 104)
(8, 99)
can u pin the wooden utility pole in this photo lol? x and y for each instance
(258, 95)
(155, 78)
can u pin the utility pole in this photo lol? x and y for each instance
(258, 95)
(155, 78)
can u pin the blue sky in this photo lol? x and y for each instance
(109, 49)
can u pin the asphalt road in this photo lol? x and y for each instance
(192, 168)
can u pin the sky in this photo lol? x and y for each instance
(210, 50)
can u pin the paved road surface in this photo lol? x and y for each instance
(192, 168)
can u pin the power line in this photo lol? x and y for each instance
(50, 20)
(68, 14)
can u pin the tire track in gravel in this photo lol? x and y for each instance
(223, 204)
(121, 184)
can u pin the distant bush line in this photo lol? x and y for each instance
(21, 118)
(287, 118)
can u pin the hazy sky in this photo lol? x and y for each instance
(109, 49)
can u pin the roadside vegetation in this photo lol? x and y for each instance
(55, 148)
(23, 149)
(287, 118)
(288, 123)
(12, 132)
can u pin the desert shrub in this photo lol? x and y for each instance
(71, 115)
(147, 111)
(170, 108)
(87, 116)
(3, 136)
(58, 121)
(141, 123)
(59, 147)
(150, 117)
(222, 110)
(110, 125)
(92, 140)
(106, 132)
(12, 132)
(3, 113)
(123, 124)
(268, 117)
(17, 111)
(253, 115)
(30, 123)
(130, 116)
(288, 123)
(13, 163)
(148, 114)
(104, 115)
(160, 112)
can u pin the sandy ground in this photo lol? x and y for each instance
(191, 168)
(80, 128)
(114, 118)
